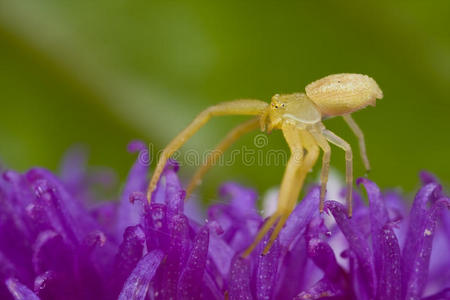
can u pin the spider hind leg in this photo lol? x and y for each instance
(341, 143)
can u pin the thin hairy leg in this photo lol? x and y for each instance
(284, 207)
(237, 107)
(291, 134)
(360, 135)
(291, 184)
(333, 138)
(212, 158)
(294, 184)
(323, 144)
(261, 233)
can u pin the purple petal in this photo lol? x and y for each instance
(128, 255)
(194, 210)
(378, 212)
(72, 218)
(239, 217)
(127, 213)
(177, 255)
(417, 218)
(240, 279)
(267, 270)
(73, 169)
(415, 275)
(323, 256)
(105, 214)
(169, 189)
(210, 288)
(19, 291)
(90, 265)
(427, 177)
(138, 282)
(357, 243)
(442, 295)
(378, 217)
(52, 285)
(54, 214)
(323, 289)
(390, 279)
(239, 227)
(50, 252)
(175, 193)
(100, 250)
(21, 192)
(292, 273)
(242, 200)
(136, 146)
(357, 278)
(15, 234)
(156, 227)
(300, 218)
(396, 206)
(221, 254)
(419, 209)
(7, 268)
(439, 267)
(189, 284)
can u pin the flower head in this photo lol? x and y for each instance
(56, 243)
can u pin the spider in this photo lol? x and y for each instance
(299, 116)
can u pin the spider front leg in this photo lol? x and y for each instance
(212, 158)
(360, 135)
(294, 176)
(295, 184)
(237, 107)
(333, 138)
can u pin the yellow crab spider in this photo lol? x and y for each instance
(299, 116)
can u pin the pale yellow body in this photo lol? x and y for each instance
(299, 116)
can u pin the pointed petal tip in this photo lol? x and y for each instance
(136, 146)
(427, 177)
(172, 164)
(368, 184)
(215, 227)
(95, 238)
(137, 196)
(360, 180)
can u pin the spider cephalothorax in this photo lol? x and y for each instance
(299, 116)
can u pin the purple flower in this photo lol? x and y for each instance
(57, 242)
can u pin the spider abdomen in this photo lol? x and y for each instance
(345, 93)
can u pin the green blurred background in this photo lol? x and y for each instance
(104, 72)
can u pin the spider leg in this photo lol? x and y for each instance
(323, 144)
(212, 158)
(333, 138)
(291, 134)
(360, 135)
(293, 184)
(261, 233)
(293, 178)
(237, 107)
